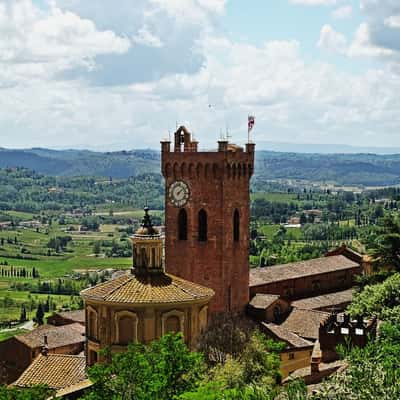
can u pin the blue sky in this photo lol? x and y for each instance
(106, 75)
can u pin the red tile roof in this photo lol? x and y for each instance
(316, 266)
(281, 333)
(325, 300)
(305, 323)
(149, 289)
(76, 315)
(263, 301)
(57, 371)
(57, 336)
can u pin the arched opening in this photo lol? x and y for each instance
(125, 330)
(236, 226)
(182, 224)
(92, 324)
(202, 226)
(172, 324)
(143, 257)
(277, 313)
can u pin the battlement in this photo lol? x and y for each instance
(230, 161)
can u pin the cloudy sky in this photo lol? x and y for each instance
(110, 74)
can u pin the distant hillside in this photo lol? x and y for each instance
(345, 169)
(82, 162)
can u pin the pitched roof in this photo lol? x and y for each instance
(57, 371)
(325, 300)
(76, 315)
(263, 301)
(331, 367)
(316, 266)
(147, 289)
(305, 323)
(57, 336)
(281, 333)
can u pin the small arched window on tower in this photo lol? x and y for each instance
(182, 224)
(236, 226)
(202, 226)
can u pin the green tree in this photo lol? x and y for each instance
(40, 314)
(22, 317)
(161, 370)
(96, 248)
(32, 393)
(386, 248)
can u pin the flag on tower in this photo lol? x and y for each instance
(250, 123)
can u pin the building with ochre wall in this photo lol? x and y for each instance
(143, 304)
(207, 215)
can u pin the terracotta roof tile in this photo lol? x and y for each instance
(306, 371)
(305, 323)
(263, 301)
(76, 315)
(57, 371)
(281, 333)
(57, 336)
(316, 266)
(149, 289)
(325, 300)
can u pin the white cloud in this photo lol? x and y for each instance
(363, 46)
(38, 43)
(314, 2)
(294, 100)
(332, 40)
(342, 12)
(393, 21)
(146, 38)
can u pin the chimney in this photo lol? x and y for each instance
(45, 347)
(316, 358)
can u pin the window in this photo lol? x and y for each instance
(126, 330)
(143, 257)
(277, 313)
(182, 224)
(316, 286)
(202, 226)
(236, 226)
(92, 328)
(172, 324)
(172, 321)
(291, 356)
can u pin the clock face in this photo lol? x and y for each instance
(179, 193)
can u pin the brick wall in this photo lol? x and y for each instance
(219, 184)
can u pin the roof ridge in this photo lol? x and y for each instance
(311, 310)
(183, 289)
(53, 355)
(103, 283)
(118, 286)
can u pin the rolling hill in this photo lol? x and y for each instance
(345, 169)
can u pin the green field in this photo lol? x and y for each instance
(12, 312)
(269, 230)
(78, 255)
(275, 197)
(8, 334)
(28, 248)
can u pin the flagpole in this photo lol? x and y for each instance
(248, 129)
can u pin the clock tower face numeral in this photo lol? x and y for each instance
(178, 193)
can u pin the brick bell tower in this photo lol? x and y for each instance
(207, 213)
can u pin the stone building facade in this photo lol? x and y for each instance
(207, 214)
(144, 304)
(306, 278)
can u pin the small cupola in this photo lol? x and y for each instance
(147, 248)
